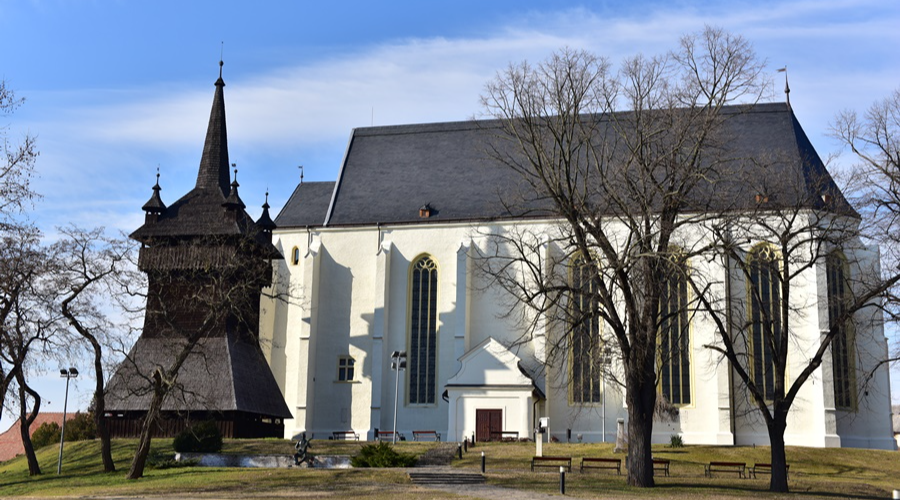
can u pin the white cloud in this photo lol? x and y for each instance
(117, 138)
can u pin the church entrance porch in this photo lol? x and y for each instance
(490, 394)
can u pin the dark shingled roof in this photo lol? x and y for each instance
(390, 172)
(223, 373)
(201, 212)
(227, 370)
(213, 171)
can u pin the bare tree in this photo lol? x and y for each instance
(623, 186)
(779, 259)
(90, 269)
(27, 323)
(17, 165)
(21, 267)
(18, 236)
(874, 182)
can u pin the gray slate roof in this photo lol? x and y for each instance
(309, 205)
(390, 172)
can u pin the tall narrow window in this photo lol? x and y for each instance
(842, 343)
(585, 330)
(765, 318)
(674, 338)
(423, 332)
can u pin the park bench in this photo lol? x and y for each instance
(765, 469)
(389, 436)
(738, 467)
(426, 434)
(344, 435)
(505, 435)
(661, 464)
(601, 463)
(555, 462)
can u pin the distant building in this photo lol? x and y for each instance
(199, 252)
(11, 441)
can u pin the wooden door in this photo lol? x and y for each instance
(487, 422)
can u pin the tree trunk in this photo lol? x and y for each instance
(99, 392)
(99, 411)
(25, 421)
(778, 481)
(143, 450)
(641, 398)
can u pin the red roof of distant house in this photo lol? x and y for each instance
(11, 441)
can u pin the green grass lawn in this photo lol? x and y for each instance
(815, 473)
(840, 472)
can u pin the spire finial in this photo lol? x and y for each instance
(301, 173)
(787, 88)
(234, 166)
(221, 59)
(157, 175)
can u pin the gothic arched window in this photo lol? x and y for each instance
(586, 346)
(422, 359)
(842, 343)
(765, 317)
(674, 337)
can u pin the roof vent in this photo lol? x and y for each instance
(425, 211)
(827, 198)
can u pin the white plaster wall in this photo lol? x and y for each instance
(335, 314)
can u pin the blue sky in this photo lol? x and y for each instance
(115, 88)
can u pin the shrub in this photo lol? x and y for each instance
(46, 434)
(203, 437)
(675, 441)
(80, 427)
(382, 455)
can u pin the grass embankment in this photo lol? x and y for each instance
(83, 473)
(814, 472)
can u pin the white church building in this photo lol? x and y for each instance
(384, 259)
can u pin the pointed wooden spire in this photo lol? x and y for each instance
(213, 172)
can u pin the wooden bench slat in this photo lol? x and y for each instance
(560, 462)
(766, 469)
(739, 467)
(417, 434)
(390, 434)
(344, 435)
(661, 464)
(505, 435)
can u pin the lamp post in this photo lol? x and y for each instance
(68, 375)
(398, 362)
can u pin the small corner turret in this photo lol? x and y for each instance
(265, 222)
(154, 206)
